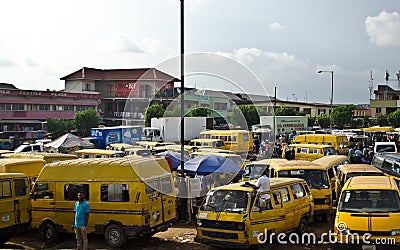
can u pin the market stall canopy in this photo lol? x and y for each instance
(211, 164)
(175, 158)
(67, 142)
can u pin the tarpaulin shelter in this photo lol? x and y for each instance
(67, 144)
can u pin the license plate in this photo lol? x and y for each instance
(368, 247)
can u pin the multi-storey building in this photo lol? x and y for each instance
(386, 101)
(27, 110)
(125, 93)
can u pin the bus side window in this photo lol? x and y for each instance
(5, 188)
(20, 187)
(331, 173)
(71, 191)
(277, 197)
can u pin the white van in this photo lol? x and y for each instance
(381, 147)
(34, 147)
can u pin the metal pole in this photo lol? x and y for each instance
(182, 99)
(331, 102)
(331, 99)
(182, 186)
(274, 129)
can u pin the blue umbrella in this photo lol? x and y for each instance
(175, 158)
(211, 164)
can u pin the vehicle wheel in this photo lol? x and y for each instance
(115, 236)
(303, 226)
(50, 233)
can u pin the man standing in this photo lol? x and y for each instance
(263, 185)
(82, 210)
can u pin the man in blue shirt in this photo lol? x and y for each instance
(82, 210)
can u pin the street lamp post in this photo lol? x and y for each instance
(331, 100)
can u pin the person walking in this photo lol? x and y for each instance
(82, 210)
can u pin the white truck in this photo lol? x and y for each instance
(285, 124)
(168, 129)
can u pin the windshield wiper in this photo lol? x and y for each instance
(349, 210)
(214, 208)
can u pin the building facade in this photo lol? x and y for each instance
(27, 110)
(125, 93)
(386, 101)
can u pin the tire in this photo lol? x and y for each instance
(115, 236)
(303, 226)
(50, 233)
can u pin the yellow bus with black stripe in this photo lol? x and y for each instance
(129, 197)
(236, 216)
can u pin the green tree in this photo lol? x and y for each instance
(343, 115)
(245, 116)
(56, 126)
(382, 120)
(323, 120)
(286, 111)
(86, 120)
(311, 121)
(366, 122)
(199, 111)
(251, 115)
(394, 119)
(155, 110)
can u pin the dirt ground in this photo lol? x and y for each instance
(181, 236)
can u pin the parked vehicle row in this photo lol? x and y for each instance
(129, 196)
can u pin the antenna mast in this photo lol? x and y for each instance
(371, 84)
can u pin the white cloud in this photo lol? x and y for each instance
(276, 26)
(384, 29)
(5, 62)
(30, 62)
(120, 43)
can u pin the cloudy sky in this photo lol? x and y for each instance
(282, 42)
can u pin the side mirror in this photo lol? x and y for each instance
(33, 196)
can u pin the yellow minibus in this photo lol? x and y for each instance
(239, 141)
(207, 143)
(332, 162)
(338, 141)
(29, 167)
(15, 205)
(317, 177)
(99, 153)
(307, 152)
(347, 171)
(236, 216)
(129, 197)
(47, 157)
(369, 212)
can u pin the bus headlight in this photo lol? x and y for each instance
(327, 201)
(198, 223)
(240, 226)
(156, 216)
(395, 232)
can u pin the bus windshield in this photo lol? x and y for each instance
(226, 201)
(370, 201)
(253, 171)
(317, 179)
